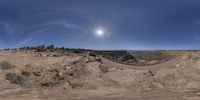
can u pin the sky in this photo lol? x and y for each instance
(101, 24)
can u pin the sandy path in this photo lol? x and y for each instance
(153, 68)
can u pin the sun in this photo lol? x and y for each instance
(99, 32)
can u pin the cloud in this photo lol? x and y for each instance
(48, 25)
(63, 23)
(69, 25)
(7, 27)
(25, 42)
(197, 37)
(39, 31)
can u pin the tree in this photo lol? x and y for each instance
(40, 48)
(50, 47)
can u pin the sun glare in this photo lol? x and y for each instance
(99, 32)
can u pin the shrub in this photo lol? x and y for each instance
(26, 73)
(7, 49)
(92, 54)
(50, 48)
(48, 83)
(77, 51)
(40, 48)
(14, 78)
(6, 65)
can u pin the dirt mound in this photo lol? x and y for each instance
(133, 80)
(184, 77)
(74, 73)
(87, 75)
(31, 76)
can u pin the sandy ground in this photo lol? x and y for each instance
(176, 79)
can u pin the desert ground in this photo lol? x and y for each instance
(99, 75)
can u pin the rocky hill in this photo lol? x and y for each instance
(41, 75)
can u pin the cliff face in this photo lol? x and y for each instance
(117, 56)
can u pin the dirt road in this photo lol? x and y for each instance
(153, 68)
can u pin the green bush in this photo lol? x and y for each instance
(50, 48)
(77, 51)
(92, 54)
(40, 48)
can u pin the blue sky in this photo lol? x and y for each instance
(126, 24)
